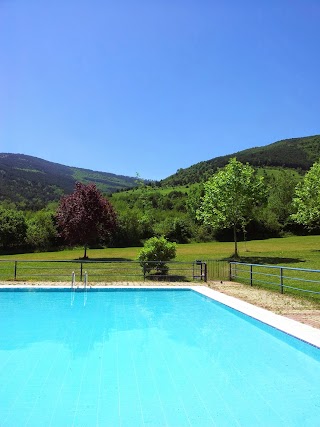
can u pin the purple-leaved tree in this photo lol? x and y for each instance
(85, 217)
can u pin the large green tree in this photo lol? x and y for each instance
(307, 198)
(13, 228)
(41, 232)
(276, 215)
(85, 217)
(230, 198)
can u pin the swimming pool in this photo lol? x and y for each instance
(141, 357)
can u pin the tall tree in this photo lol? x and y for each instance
(276, 215)
(230, 197)
(85, 217)
(307, 198)
(41, 232)
(13, 228)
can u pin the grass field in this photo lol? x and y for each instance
(301, 251)
(298, 252)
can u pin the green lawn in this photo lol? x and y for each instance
(301, 251)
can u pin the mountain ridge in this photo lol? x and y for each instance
(33, 182)
(295, 153)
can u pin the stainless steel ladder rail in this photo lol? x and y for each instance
(73, 286)
(85, 285)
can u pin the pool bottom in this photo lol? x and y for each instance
(146, 358)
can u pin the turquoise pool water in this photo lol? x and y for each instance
(148, 358)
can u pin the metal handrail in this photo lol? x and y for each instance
(261, 277)
(73, 280)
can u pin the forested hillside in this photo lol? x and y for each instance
(30, 182)
(144, 211)
(296, 153)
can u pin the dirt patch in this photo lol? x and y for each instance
(299, 309)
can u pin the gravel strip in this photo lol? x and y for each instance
(302, 310)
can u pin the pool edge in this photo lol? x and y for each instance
(292, 327)
(303, 332)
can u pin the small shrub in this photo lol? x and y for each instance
(155, 253)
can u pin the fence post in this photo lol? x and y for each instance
(15, 270)
(281, 280)
(205, 277)
(81, 266)
(251, 281)
(230, 271)
(144, 271)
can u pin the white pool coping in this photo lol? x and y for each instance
(289, 326)
(299, 330)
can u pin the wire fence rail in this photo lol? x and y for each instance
(285, 279)
(111, 270)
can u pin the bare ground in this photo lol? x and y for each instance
(302, 310)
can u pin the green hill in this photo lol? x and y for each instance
(295, 153)
(31, 182)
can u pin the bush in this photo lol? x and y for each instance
(155, 253)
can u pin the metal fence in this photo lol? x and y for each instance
(285, 279)
(109, 271)
(106, 271)
(217, 269)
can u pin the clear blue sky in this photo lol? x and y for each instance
(150, 86)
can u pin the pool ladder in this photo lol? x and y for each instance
(73, 287)
(73, 280)
(85, 284)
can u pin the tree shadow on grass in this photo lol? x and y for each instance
(102, 259)
(166, 278)
(265, 260)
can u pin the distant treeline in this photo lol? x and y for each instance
(149, 211)
(30, 190)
